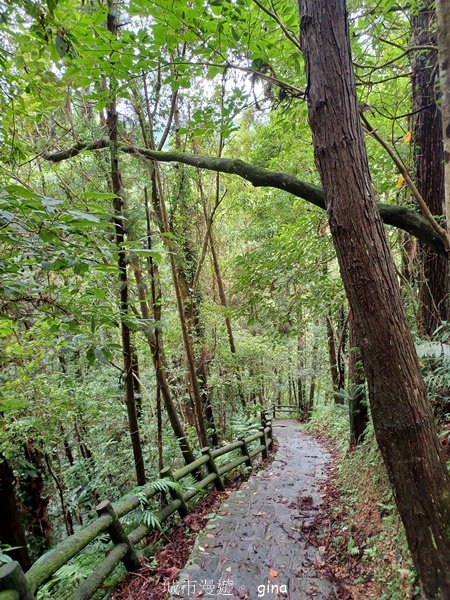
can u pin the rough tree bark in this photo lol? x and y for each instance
(428, 154)
(400, 409)
(443, 36)
(11, 529)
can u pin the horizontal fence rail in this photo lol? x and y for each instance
(17, 585)
(285, 409)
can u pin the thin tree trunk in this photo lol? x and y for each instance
(400, 409)
(85, 451)
(312, 387)
(136, 381)
(333, 360)
(224, 303)
(67, 449)
(159, 435)
(428, 154)
(159, 206)
(112, 123)
(12, 531)
(68, 521)
(158, 358)
(358, 408)
(301, 392)
(189, 307)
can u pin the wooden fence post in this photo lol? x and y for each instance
(263, 418)
(13, 580)
(245, 452)
(270, 434)
(176, 494)
(264, 443)
(118, 536)
(212, 468)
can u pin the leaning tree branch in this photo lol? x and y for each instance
(428, 215)
(397, 216)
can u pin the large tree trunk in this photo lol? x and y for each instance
(428, 152)
(443, 22)
(11, 527)
(401, 412)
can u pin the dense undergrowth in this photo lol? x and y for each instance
(370, 530)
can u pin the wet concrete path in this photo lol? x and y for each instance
(257, 544)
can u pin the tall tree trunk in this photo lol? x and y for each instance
(67, 448)
(156, 341)
(158, 356)
(400, 409)
(67, 515)
(224, 303)
(136, 381)
(333, 360)
(358, 409)
(301, 392)
(428, 153)
(185, 261)
(112, 123)
(12, 531)
(312, 387)
(159, 206)
(443, 38)
(159, 426)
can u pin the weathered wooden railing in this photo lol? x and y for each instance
(17, 585)
(285, 409)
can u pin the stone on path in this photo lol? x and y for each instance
(257, 544)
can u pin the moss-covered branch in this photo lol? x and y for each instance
(397, 216)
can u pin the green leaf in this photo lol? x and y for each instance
(83, 216)
(18, 190)
(51, 5)
(81, 268)
(145, 252)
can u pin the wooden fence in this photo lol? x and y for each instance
(285, 409)
(17, 585)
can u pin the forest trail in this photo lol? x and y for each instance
(257, 544)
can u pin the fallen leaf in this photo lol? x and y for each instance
(400, 182)
(273, 573)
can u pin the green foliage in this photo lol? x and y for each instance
(385, 548)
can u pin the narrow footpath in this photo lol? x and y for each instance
(257, 544)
